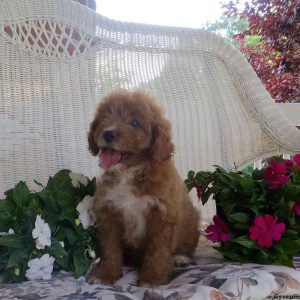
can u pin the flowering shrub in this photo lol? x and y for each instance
(47, 230)
(258, 213)
(274, 26)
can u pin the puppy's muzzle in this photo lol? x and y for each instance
(109, 136)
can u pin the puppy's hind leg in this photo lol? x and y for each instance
(188, 238)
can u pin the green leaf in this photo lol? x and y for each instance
(234, 256)
(19, 195)
(69, 213)
(246, 242)
(240, 217)
(16, 257)
(3, 259)
(279, 248)
(205, 195)
(261, 199)
(258, 174)
(247, 183)
(68, 235)
(226, 194)
(12, 241)
(255, 195)
(289, 245)
(81, 263)
(264, 256)
(248, 170)
(56, 249)
(284, 210)
(189, 184)
(224, 179)
(89, 189)
(63, 262)
(191, 175)
(256, 208)
(241, 226)
(65, 199)
(234, 181)
(228, 208)
(202, 178)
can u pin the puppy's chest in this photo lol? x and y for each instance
(133, 208)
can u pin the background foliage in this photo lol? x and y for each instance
(267, 32)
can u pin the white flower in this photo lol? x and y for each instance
(62, 244)
(40, 268)
(78, 178)
(41, 233)
(10, 231)
(86, 214)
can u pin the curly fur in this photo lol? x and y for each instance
(144, 213)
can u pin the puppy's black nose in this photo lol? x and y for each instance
(109, 136)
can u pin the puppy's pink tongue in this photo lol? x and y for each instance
(109, 158)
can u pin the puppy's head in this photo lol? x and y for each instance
(130, 126)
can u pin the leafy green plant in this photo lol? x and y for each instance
(50, 229)
(258, 212)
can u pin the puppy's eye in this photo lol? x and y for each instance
(135, 124)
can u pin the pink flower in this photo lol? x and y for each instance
(276, 174)
(290, 166)
(297, 159)
(265, 230)
(218, 232)
(296, 208)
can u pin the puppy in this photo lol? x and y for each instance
(144, 213)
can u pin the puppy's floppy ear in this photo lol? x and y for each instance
(93, 147)
(162, 147)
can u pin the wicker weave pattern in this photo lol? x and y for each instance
(57, 58)
(48, 38)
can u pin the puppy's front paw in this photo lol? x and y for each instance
(181, 260)
(104, 275)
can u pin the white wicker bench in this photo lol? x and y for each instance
(57, 58)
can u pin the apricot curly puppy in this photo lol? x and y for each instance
(144, 213)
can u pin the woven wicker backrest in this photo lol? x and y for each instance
(58, 58)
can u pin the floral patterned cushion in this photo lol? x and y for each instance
(201, 280)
